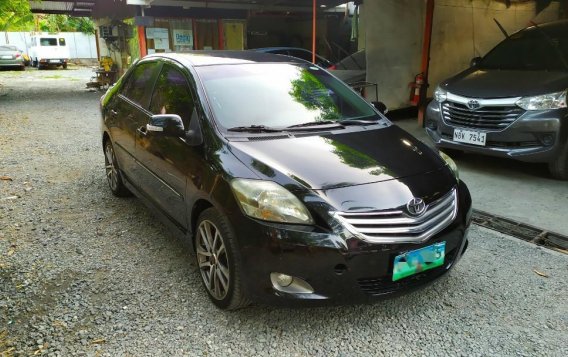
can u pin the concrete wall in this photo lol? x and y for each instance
(393, 44)
(81, 46)
(464, 29)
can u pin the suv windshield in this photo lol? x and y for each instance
(529, 50)
(278, 95)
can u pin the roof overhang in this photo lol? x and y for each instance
(257, 5)
(63, 7)
(88, 8)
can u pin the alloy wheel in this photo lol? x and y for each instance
(213, 260)
(110, 168)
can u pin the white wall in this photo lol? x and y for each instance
(80, 45)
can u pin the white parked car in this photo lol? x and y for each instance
(49, 50)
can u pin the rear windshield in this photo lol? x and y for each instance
(530, 50)
(48, 41)
(278, 95)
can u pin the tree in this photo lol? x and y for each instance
(64, 23)
(15, 15)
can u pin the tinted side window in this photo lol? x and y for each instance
(172, 95)
(136, 87)
(305, 55)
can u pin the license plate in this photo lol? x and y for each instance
(54, 61)
(6, 57)
(419, 260)
(469, 137)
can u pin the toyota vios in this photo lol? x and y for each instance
(288, 186)
(511, 103)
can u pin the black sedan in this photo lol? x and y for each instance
(287, 185)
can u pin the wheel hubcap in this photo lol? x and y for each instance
(212, 259)
(110, 168)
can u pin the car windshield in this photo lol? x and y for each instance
(48, 41)
(529, 50)
(279, 95)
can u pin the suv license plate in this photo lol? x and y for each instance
(417, 261)
(469, 137)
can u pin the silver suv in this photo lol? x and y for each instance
(511, 103)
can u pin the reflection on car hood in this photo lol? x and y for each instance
(340, 160)
(481, 83)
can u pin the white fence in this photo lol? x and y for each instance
(81, 45)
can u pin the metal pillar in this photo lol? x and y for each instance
(426, 59)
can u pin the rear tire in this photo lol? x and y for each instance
(113, 172)
(218, 260)
(64, 66)
(559, 167)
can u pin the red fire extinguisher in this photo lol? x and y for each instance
(415, 88)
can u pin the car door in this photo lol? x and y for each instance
(127, 112)
(169, 162)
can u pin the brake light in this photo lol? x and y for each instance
(332, 67)
(17, 55)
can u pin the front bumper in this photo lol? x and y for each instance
(524, 140)
(339, 266)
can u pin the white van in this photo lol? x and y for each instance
(49, 50)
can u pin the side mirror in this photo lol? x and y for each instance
(166, 124)
(381, 107)
(475, 61)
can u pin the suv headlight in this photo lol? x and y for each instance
(440, 95)
(269, 201)
(451, 164)
(544, 102)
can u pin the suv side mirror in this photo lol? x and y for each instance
(166, 124)
(381, 107)
(475, 61)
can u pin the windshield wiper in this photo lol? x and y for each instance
(255, 129)
(358, 122)
(319, 124)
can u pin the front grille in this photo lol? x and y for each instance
(491, 118)
(395, 226)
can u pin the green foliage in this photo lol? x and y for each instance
(15, 15)
(64, 23)
(311, 93)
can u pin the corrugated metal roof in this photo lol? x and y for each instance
(67, 7)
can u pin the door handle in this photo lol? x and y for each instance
(142, 131)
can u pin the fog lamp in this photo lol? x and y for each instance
(547, 139)
(283, 279)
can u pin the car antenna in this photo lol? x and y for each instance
(501, 28)
(551, 43)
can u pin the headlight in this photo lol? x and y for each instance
(269, 201)
(451, 164)
(544, 102)
(440, 95)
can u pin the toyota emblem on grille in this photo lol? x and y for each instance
(416, 206)
(473, 104)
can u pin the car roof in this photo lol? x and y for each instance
(213, 58)
(555, 27)
(283, 48)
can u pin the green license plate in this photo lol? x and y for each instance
(417, 261)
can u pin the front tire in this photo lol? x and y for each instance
(218, 261)
(559, 167)
(113, 172)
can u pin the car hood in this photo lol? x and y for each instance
(492, 83)
(339, 160)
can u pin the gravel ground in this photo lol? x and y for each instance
(85, 273)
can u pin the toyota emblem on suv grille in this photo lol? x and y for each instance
(416, 206)
(473, 104)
